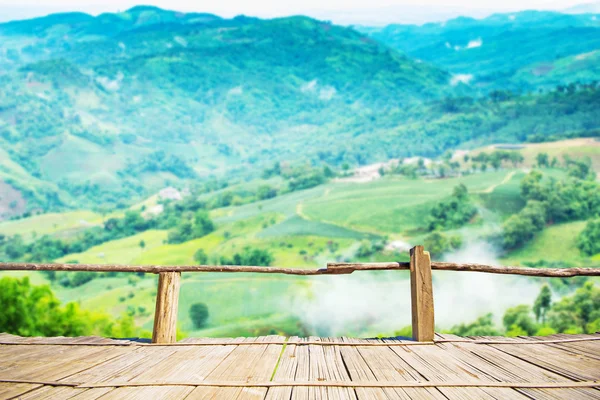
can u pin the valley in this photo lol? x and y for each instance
(310, 227)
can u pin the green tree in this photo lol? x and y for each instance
(200, 226)
(522, 227)
(369, 247)
(460, 192)
(29, 310)
(542, 160)
(531, 186)
(364, 250)
(517, 320)
(265, 192)
(516, 158)
(588, 241)
(452, 213)
(199, 315)
(483, 326)
(438, 243)
(200, 257)
(580, 169)
(203, 225)
(250, 256)
(579, 313)
(496, 163)
(542, 304)
(142, 244)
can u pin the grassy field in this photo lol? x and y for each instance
(575, 148)
(504, 200)
(390, 205)
(555, 243)
(122, 251)
(52, 223)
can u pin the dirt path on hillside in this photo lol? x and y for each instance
(299, 208)
(507, 178)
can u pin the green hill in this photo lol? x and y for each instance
(106, 110)
(168, 97)
(516, 50)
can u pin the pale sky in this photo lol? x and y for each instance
(339, 11)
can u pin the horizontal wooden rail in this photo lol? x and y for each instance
(420, 267)
(155, 269)
(447, 266)
(332, 268)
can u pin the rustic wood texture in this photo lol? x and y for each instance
(274, 368)
(421, 292)
(167, 301)
(332, 269)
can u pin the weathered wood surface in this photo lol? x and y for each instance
(332, 269)
(421, 293)
(346, 268)
(165, 315)
(274, 368)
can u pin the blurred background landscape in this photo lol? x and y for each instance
(151, 136)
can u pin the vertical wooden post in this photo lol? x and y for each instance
(421, 290)
(165, 316)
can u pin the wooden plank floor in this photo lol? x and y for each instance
(275, 367)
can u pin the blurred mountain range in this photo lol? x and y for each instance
(97, 109)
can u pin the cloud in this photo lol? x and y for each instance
(309, 86)
(474, 43)
(371, 303)
(461, 78)
(327, 93)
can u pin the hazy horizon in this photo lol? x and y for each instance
(356, 12)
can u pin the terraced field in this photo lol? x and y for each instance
(390, 205)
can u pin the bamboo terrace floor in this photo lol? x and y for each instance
(275, 367)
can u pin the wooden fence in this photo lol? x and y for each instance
(421, 285)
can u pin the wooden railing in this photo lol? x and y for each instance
(421, 285)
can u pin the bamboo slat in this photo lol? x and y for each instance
(445, 371)
(238, 365)
(303, 371)
(329, 384)
(13, 390)
(354, 384)
(320, 384)
(451, 367)
(590, 349)
(381, 364)
(262, 370)
(24, 362)
(506, 368)
(285, 371)
(562, 362)
(317, 370)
